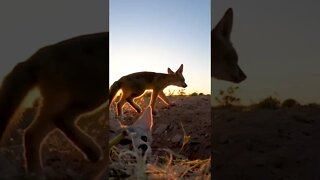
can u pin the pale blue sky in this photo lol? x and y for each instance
(278, 47)
(154, 35)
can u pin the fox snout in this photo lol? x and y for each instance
(184, 85)
(241, 77)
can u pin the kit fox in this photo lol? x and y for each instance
(224, 57)
(134, 85)
(72, 77)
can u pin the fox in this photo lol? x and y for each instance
(134, 85)
(72, 77)
(224, 57)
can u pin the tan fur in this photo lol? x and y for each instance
(134, 85)
(72, 79)
(224, 57)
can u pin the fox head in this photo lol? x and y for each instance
(179, 79)
(224, 57)
(139, 134)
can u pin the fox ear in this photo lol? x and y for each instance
(170, 71)
(224, 27)
(180, 69)
(145, 121)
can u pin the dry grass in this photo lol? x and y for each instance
(169, 165)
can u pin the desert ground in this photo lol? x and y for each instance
(63, 161)
(266, 142)
(191, 113)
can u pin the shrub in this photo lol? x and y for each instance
(194, 94)
(182, 92)
(313, 105)
(288, 103)
(269, 103)
(227, 97)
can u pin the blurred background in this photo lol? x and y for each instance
(278, 48)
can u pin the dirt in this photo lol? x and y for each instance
(255, 143)
(63, 161)
(191, 113)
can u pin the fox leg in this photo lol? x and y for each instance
(134, 105)
(153, 101)
(120, 104)
(33, 138)
(66, 123)
(165, 99)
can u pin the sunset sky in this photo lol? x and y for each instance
(154, 35)
(278, 48)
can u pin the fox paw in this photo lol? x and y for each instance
(139, 110)
(154, 112)
(94, 154)
(171, 104)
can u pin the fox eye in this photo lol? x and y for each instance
(125, 141)
(144, 138)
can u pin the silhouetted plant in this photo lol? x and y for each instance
(182, 92)
(227, 97)
(269, 103)
(171, 93)
(313, 105)
(194, 94)
(288, 103)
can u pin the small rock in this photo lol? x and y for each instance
(176, 138)
(161, 128)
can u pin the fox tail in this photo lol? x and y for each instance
(13, 90)
(113, 90)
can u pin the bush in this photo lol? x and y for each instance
(269, 103)
(288, 103)
(181, 92)
(227, 97)
(194, 94)
(313, 105)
